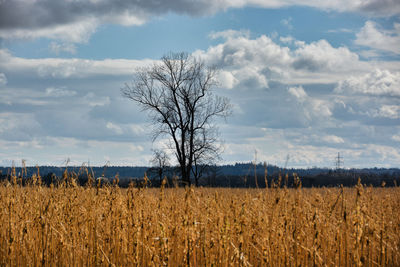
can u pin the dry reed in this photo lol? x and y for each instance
(70, 225)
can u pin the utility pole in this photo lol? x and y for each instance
(286, 173)
(338, 162)
(255, 168)
(286, 162)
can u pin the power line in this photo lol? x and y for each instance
(339, 161)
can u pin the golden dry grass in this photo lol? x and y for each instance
(77, 226)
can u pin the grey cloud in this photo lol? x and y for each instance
(17, 14)
(308, 64)
(58, 19)
(380, 7)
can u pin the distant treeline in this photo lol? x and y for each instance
(238, 175)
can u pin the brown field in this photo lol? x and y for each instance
(78, 226)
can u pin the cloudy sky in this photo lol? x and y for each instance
(306, 78)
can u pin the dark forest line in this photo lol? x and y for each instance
(237, 175)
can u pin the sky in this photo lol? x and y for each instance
(306, 79)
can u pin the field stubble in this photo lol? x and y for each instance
(86, 226)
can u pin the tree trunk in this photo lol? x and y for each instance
(185, 175)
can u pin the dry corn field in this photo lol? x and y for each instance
(82, 226)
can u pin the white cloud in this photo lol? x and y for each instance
(378, 82)
(310, 148)
(299, 93)
(396, 138)
(314, 110)
(286, 39)
(382, 153)
(389, 111)
(137, 148)
(115, 128)
(321, 55)
(341, 30)
(333, 139)
(371, 35)
(288, 23)
(321, 108)
(138, 130)
(3, 79)
(57, 48)
(92, 100)
(68, 68)
(227, 79)
(230, 34)
(18, 126)
(59, 92)
(370, 53)
(255, 62)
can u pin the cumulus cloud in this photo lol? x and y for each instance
(227, 79)
(75, 21)
(321, 55)
(239, 49)
(371, 35)
(254, 62)
(378, 83)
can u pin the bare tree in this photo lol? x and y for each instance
(177, 94)
(160, 161)
(206, 153)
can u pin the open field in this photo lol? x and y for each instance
(78, 226)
